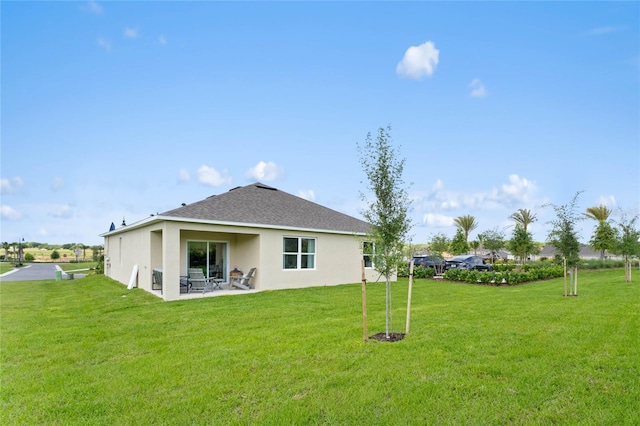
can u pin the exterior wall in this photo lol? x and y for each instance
(124, 250)
(164, 245)
(337, 261)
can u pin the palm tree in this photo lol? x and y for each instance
(5, 246)
(466, 224)
(600, 213)
(523, 217)
(603, 235)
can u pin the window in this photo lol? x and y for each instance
(298, 253)
(367, 254)
(210, 256)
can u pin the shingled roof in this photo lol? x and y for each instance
(265, 205)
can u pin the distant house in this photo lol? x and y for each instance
(586, 252)
(292, 243)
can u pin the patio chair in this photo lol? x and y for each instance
(243, 281)
(199, 282)
(156, 281)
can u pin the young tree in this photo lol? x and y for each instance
(564, 236)
(521, 243)
(493, 240)
(466, 224)
(475, 245)
(603, 238)
(439, 244)
(55, 255)
(388, 211)
(459, 243)
(628, 242)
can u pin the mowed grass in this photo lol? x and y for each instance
(6, 267)
(90, 352)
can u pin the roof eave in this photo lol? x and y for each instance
(160, 218)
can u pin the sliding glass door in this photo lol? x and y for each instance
(210, 256)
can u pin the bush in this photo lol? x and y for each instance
(100, 265)
(28, 257)
(472, 277)
(511, 277)
(453, 274)
(486, 277)
(502, 267)
(420, 272)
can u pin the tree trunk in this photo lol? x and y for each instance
(627, 269)
(365, 332)
(564, 263)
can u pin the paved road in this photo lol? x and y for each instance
(32, 272)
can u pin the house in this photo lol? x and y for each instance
(292, 243)
(586, 253)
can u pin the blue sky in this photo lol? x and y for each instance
(126, 109)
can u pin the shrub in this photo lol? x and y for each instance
(472, 276)
(501, 267)
(486, 277)
(100, 265)
(421, 272)
(28, 257)
(403, 270)
(453, 274)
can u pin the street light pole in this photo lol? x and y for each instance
(20, 241)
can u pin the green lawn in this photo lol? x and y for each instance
(6, 267)
(90, 352)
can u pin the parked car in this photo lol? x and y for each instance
(427, 261)
(468, 262)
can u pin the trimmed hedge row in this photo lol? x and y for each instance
(509, 277)
(418, 271)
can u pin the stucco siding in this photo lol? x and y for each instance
(123, 251)
(164, 245)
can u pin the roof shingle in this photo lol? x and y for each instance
(264, 205)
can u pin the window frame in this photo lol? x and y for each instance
(299, 253)
(370, 254)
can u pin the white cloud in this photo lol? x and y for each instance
(8, 186)
(265, 171)
(104, 43)
(183, 176)
(131, 33)
(57, 184)
(477, 89)
(162, 40)
(519, 190)
(62, 211)
(419, 61)
(609, 201)
(307, 194)
(94, 7)
(437, 220)
(210, 176)
(9, 213)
